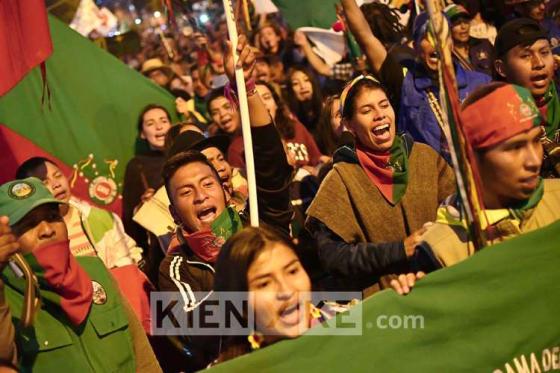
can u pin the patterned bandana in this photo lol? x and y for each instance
(62, 280)
(500, 115)
(207, 244)
(387, 171)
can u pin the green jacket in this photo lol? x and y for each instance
(103, 343)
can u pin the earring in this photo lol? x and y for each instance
(255, 340)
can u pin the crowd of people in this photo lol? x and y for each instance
(354, 179)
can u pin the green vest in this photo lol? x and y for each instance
(101, 344)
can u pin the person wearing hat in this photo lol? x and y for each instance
(83, 324)
(413, 92)
(524, 57)
(502, 125)
(472, 53)
(536, 10)
(159, 73)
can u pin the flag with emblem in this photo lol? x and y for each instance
(89, 127)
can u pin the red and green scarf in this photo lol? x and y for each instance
(207, 244)
(549, 106)
(62, 281)
(388, 171)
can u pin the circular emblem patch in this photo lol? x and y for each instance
(526, 112)
(103, 190)
(21, 190)
(99, 293)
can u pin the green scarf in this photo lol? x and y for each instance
(387, 171)
(450, 213)
(552, 111)
(207, 244)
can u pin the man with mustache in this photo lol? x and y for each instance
(84, 324)
(524, 57)
(502, 124)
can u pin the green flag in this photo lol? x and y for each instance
(315, 13)
(91, 126)
(495, 312)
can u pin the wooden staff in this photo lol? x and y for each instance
(462, 156)
(245, 121)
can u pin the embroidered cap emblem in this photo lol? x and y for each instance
(99, 293)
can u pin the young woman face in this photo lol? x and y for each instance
(155, 124)
(301, 85)
(267, 99)
(373, 119)
(279, 292)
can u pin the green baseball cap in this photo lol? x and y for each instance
(19, 197)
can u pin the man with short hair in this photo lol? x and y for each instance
(215, 149)
(199, 206)
(502, 124)
(524, 57)
(83, 324)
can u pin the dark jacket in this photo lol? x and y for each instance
(184, 272)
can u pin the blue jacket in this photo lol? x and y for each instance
(415, 115)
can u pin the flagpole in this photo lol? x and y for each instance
(245, 120)
(464, 164)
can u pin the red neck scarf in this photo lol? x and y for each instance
(62, 280)
(388, 171)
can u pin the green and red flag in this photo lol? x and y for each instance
(90, 128)
(494, 312)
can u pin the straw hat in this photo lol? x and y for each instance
(155, 64)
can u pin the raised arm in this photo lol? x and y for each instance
(258, 114)
(316, 62)
(372, 47)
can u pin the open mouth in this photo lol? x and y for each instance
(540, 80)
(530, 182)
(433, 57)
(207, 214)
(60, 195)
(290, 315)
(227, 123)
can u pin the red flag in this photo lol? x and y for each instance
(25, 40)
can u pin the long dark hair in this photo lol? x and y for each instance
(326, 137)
(307, 111)
(232, 266)
(283, 119)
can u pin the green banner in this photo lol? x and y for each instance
(498, 311)
(313, 13)
(91, 124)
